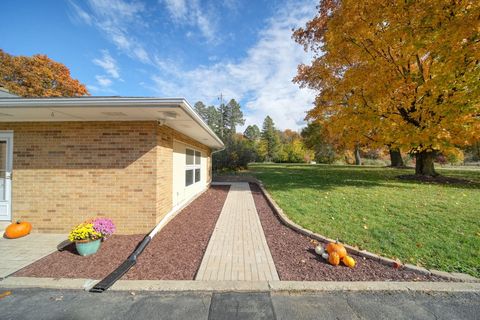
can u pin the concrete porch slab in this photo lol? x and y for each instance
(19, 253)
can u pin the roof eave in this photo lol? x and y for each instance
(113, 102)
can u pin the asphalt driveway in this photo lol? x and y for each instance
(73, 304)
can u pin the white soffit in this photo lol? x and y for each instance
(174, 113)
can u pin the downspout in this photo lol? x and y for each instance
(113, 277)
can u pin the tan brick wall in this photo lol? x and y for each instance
(66, 172)
(165, 137)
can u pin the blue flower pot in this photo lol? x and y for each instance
(86, 248)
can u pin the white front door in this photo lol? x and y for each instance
(6, 158)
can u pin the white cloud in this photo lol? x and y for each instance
(191, 13)
(92, 87)
(108, 63)
(232, 5)
(177, 8)
(81, 14)
(262, 80)
(116, 19)
(103, 81)
(205, 26)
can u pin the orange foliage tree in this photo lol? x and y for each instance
(38, 76)
(399, 73)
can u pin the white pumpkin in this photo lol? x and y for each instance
(325, 256)
(319, 250)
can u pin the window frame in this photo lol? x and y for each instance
(194, 167)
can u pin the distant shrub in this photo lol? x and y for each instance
(375, 162)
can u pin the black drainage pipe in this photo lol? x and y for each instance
(110, 279)
(113, 277)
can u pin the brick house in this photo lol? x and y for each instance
(63, 160)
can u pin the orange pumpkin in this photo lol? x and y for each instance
(338, 248)
(342, 252)
(18, 229)
(331, 247)
(334, 259)
(349, 262)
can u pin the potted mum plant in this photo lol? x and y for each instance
(88, 235)
(105, 226)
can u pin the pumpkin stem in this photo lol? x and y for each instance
(18, 221)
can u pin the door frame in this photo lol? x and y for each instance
(7, 135)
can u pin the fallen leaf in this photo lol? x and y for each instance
(5, 294)
(59, 298)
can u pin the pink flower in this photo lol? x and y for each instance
(105, 226)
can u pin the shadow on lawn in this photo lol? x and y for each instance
(287, 177)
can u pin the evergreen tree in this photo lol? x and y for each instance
(201, 109)
(252, 133)
(270, 139)
(210, 115)
(232, 116)
(213, 119)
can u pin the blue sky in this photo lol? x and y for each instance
(173, 48)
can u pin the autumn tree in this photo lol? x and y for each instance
(314, 139)
(398, 73)
(292, 149)
(38, 76)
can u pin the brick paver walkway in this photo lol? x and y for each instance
(238, 249)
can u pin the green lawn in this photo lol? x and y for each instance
(435, 226)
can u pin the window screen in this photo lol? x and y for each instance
(193, 160)
(197, 157)
(189, 158)
(189, 177)
(197, 175)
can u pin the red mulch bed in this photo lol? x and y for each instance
(296, 260)
(175, 253)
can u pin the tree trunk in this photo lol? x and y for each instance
(396, 158)
(424, 165)
(358, 160)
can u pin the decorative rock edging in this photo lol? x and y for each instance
(363, 253)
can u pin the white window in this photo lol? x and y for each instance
(192, 167)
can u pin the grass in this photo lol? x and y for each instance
(435, 226)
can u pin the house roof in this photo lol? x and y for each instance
(4, 93)
(176, 113)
